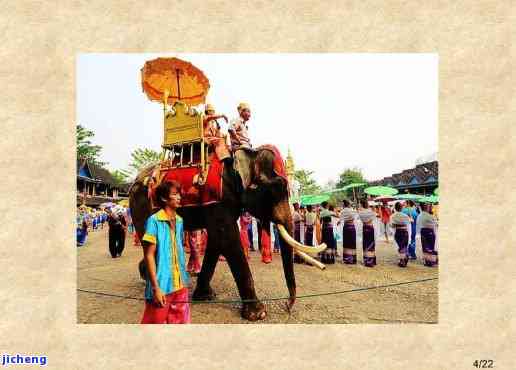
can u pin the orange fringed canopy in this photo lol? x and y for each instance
(173, 79)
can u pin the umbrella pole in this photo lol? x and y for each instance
(178, 88)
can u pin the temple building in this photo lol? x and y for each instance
(95, 185)
(294, 185)
(422, 179)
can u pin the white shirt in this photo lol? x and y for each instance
(310, 218)
(366, 215)
(426, 220)
(347, 214)
(399, 218)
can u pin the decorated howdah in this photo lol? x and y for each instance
(182, 125)
(186, 158)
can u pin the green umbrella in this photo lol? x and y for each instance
(307, 200)
(429, 199)
(408, 196)
(436, 191)
(380, 190)
(349, 186)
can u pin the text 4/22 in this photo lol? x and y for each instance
(483, 364)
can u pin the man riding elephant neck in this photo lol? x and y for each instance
(238, 130)
(240, 142)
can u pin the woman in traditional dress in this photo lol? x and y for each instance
(302, 212)
(317, 225)
(297, 217)
(349, 234)
(400, 222)
(328, 255)
(367, 217)
(310, 219)
(427, 223)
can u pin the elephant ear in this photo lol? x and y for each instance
(277, 164)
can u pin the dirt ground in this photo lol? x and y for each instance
(408, 303)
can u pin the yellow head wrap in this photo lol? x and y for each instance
(209, 107)
(243, 106)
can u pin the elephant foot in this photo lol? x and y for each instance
(253, 311)
(204, 294)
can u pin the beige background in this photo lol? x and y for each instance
(477, 295)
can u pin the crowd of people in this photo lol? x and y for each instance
(119, 223)
(405, 220)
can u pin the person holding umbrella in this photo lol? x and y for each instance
(385, 214)
(367, 217)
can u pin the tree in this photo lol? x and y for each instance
(142, 157)
(120, 176)
(307, 184)
(349, 176)
(85, 149)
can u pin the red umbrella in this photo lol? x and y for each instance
(384, 198)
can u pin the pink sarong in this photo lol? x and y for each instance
(174, 312)
(195, 239)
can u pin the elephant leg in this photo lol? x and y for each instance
(224, 238)
(203, 291)
(237, 261)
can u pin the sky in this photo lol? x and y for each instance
(376, 112)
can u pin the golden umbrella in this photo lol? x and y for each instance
(172, 79)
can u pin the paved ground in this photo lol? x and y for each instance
(411, 303)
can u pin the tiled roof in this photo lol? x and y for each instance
(96, 172)
(422, 172)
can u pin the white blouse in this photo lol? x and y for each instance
(426, 220)
(366, 215)
(347, 215)
(399, 218)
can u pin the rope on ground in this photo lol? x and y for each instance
(268, 299)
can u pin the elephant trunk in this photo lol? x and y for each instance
(284, 221)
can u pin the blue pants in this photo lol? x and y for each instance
(412, 245)
(250, 235)
(276, 238)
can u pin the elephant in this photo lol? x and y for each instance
(266, 198)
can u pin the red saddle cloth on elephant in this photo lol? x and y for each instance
(195, 194)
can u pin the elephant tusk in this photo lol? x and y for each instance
(298, 246)
(311, 260)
